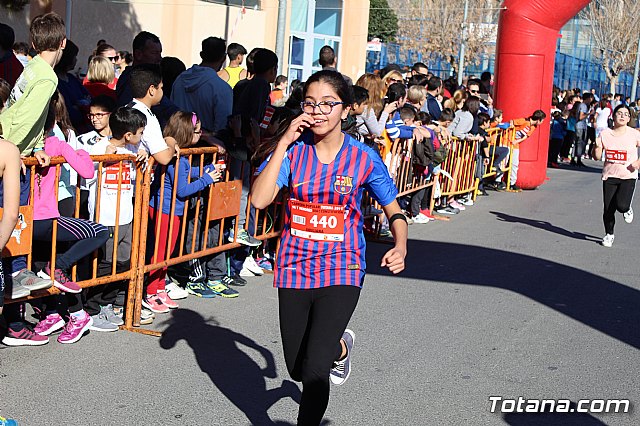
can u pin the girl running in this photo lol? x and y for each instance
(183, 130)
(620, 170)
(321, 264)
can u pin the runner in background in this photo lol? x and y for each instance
(619, 147)
(321, 264)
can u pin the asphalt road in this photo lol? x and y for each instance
(512, 298)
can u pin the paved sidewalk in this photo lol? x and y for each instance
(514, 297)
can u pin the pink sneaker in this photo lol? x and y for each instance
(166, 300)
(75, 328)
(51, 323)
(24, 337)
(155, 304)
(61, 281)
(457, 205)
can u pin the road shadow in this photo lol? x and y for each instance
(600, 303)
(553, 419)
(238, 377)
(547, 226)
(590, 166)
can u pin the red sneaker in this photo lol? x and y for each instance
(428, 214)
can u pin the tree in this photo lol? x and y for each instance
(383, 22)
(613, 28)
(435, 27)
(14, 4)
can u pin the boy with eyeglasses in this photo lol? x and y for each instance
(99, 112)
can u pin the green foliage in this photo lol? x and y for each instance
(14, 4)
(383, 22)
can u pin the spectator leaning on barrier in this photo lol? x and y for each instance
(22, 123)
(524, 127)
(146, 88)
(10, 65)
(182, 128)
(127, 126)
(373, 118)
(82, 236)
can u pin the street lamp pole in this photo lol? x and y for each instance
(463, 44)
(634, 86)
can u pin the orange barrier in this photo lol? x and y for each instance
(460, 165)
(222, 203)
(499, 138)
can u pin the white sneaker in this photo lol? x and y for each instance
(628, 216)
(465, 201)
(251, 265)
(420, 218)
(607, 241)
(175, 292)
(244, 272)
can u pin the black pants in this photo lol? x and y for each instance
(555, 145)
(617, 195)
(311, 324)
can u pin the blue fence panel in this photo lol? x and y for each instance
(570, 70)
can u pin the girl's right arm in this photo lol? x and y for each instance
(265, 187)
(79, 160)
(10, 172)
(186, 189)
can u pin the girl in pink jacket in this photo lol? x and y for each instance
(84, 237)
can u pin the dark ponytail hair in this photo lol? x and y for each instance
(282, 118)
(336, 81)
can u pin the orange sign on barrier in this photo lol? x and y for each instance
(225, 199)
(20, 241)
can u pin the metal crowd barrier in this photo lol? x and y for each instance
(220, 201)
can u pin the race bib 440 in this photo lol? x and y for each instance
(317, 222)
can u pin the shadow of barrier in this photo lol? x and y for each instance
(221, 204)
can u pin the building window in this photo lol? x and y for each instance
(314, 24)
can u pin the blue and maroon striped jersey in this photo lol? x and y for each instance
(307, 263)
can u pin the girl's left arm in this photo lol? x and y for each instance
(394, 258)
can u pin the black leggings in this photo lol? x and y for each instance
(311, 324)
(617, 196)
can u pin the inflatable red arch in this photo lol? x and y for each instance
(525, 56)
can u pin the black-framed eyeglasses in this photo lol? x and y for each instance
(98, 115)
(325, 107)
